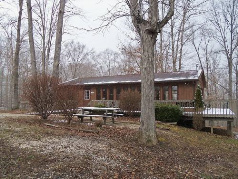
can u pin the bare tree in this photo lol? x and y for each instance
(144, 15)
(59, 33)
(180, 28)
(45, 24)
(8, 55)
(31, 39)
(108, 62)
(131, 56)
(224, 15)
(15, 73)
(76, 61)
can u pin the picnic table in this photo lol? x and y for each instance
(97, 112)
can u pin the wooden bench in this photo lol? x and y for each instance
(81, 116)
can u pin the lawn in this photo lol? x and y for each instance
(31, 149)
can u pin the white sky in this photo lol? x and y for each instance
(92, 10)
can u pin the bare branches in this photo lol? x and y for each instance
(168, 16)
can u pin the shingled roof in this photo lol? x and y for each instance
(136, 78)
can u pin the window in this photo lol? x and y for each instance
(133, 88)
(87, 94)
(98, 94)
(165, 93)
(157, 93)
(125, 88)
(174, 92)
(118, 93)
(104, 93)
(111, 94)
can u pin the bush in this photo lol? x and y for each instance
(198, 121)
(68, 100)
(130, 101)
(167, 113)
(199, 104)
(42, 91)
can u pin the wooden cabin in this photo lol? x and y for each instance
(168, 86)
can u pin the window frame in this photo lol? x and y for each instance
(165, 89)
(98, 94)
(174, 93)
(104, 93)
(111, 93)
(118, 93)
(157, 93)
(87, 94)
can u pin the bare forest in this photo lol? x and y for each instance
(200, 35)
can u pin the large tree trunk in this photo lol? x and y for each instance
(58, 40)
(31, 39)
(147, 133)
(148, 29)
(15, 73)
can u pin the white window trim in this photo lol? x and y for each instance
(86, 97)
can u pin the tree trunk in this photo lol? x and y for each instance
(148, 30)
(173, 45)
(31, 39)
(58, 40)
(230, 66)
(147, 133)
(15, 73)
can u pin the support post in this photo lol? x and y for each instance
(211, 124)
(229, 128)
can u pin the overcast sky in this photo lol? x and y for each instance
(92, 10)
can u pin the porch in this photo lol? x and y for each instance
(220, 113)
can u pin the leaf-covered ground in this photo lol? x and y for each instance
(31, 149)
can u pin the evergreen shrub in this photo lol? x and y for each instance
(167, 113)
(198, 121)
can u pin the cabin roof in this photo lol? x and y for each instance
(192, 75)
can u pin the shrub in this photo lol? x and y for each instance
(167, 113)
(199, 104)
(100, 105)
(68, 100)
(41, 92)
(130, 101)
(198, 121)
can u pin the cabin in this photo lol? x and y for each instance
(168, 86)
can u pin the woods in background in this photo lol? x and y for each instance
(200, 32)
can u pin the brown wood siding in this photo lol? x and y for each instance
(186, 90)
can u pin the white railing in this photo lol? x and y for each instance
(212, 108)
(104, 103)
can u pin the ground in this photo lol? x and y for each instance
(31, 148)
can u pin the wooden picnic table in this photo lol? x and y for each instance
(109, 113)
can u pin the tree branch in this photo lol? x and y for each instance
(168, 16)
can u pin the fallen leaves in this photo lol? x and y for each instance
(40, 151)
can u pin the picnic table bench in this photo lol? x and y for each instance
(112, 114)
